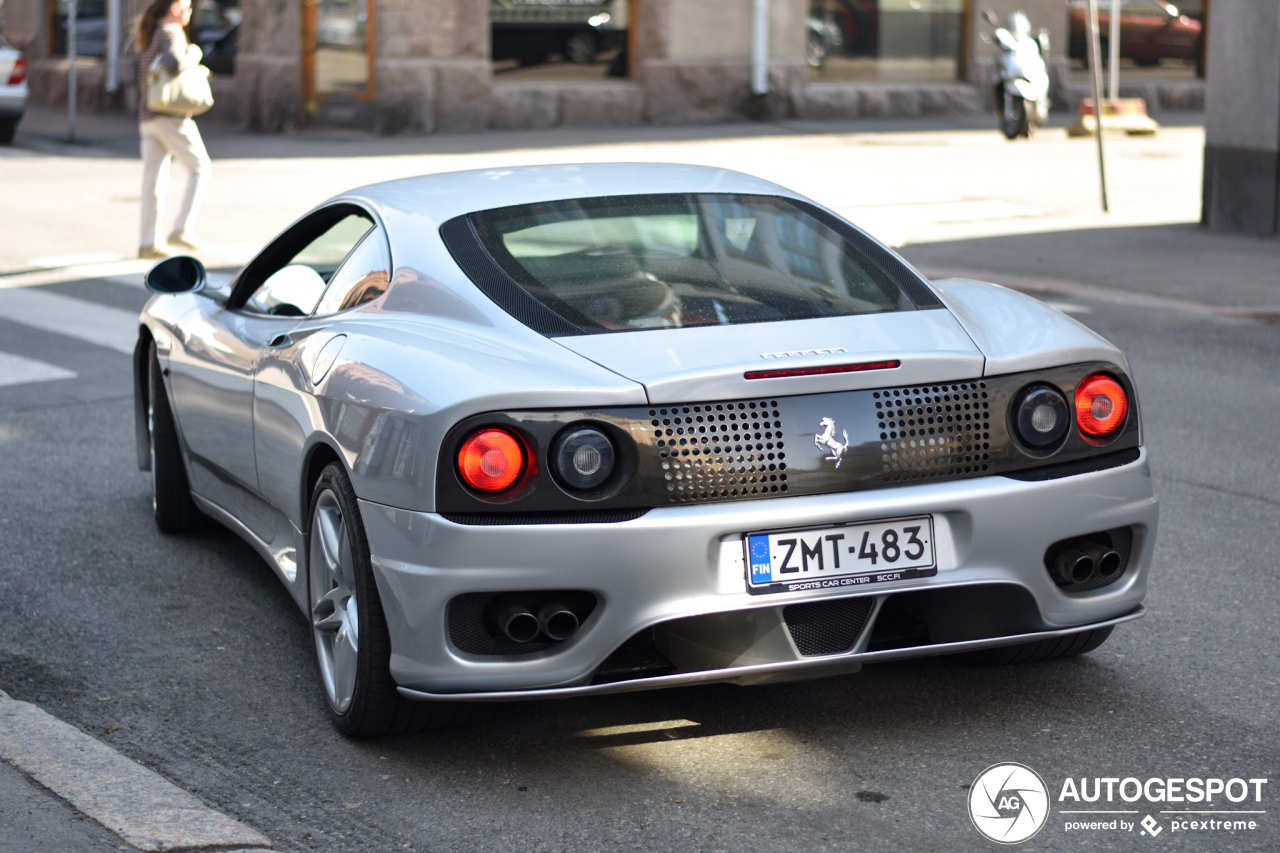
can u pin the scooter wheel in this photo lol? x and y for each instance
(1017, 124)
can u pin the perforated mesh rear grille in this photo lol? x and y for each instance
(934, 431)
(783, 446)
(720, 450)
(827, 627)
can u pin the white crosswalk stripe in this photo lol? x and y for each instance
(64, 315)
(17, 370)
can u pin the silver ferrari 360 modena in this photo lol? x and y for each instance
(573, 430)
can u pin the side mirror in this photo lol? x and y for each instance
(176, 275)
(989, 18)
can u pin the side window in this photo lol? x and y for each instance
(298, 278)
(363, 276)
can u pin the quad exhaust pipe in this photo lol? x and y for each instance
(1078, 561)
(515, 621)
(1074, 566)
(557, 621)
(1105, 560)
(518, 623)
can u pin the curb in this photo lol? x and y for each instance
(138, 805)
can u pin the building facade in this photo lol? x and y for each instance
(426, 66)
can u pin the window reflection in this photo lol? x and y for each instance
(341, 54)
(903, 41)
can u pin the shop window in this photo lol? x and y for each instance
(1157, 39)
(338, 48)
(906, 41)
(214, 26)
(91, 27)
(569, 41)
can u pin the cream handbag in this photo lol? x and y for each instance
(186, 93)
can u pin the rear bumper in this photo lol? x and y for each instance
(768, 672)
(13, 101)
(680, 563)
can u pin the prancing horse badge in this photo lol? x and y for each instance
(827, 439)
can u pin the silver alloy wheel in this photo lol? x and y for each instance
(332, 581)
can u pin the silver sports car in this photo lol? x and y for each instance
(574, 430)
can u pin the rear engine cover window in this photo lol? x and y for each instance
(671, 261)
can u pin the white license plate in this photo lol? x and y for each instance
(843, 555)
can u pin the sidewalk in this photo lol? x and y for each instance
(953, 195)
(44, 129)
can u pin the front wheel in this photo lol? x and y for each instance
(353, 646)
(1014, 119)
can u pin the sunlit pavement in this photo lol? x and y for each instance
(905, 181)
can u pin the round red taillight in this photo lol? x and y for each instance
(490, 460)
(1101, 406)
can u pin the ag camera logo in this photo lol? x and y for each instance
(1008, 803)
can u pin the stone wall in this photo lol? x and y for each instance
(1242, 119)
(691, 65)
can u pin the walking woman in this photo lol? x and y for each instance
(161, 33)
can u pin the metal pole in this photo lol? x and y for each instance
(71, 71)
(113, 46)
(760, 47)
(1113, 44)
(829, 24)
(1095, 48)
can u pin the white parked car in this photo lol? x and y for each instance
(13, 90)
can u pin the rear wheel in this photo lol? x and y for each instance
(175, 511)
(353, 646)
(8, 127)
(1040, 650)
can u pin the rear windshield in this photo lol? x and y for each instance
(666, 262)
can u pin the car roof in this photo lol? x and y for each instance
(442, 197)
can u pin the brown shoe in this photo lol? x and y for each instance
(187, 242)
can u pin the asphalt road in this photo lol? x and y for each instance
(186, 654)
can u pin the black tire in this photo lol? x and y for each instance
(1019, 124)
(175, 511)
(8, 127)
(1040, 650)
(375, 708)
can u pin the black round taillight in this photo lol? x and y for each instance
(1041, 416)
(584, 458)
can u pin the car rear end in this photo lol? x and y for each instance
(829, 470)
(13, 90)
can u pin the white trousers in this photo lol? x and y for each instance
(166, 138)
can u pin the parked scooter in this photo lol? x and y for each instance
(1022, 92)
